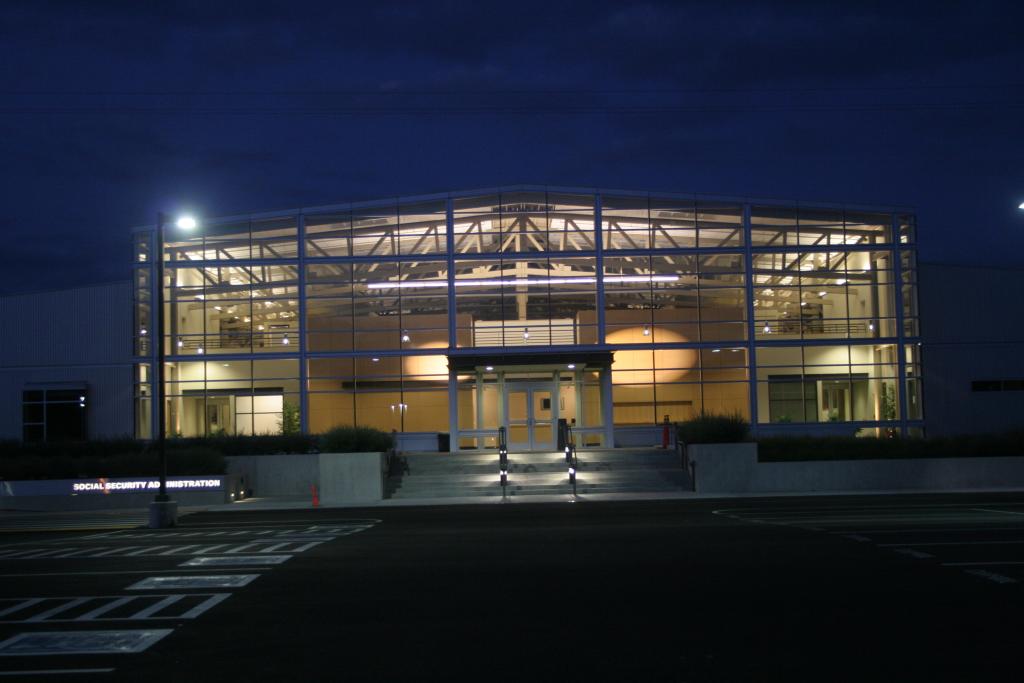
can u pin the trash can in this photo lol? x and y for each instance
(444, 442)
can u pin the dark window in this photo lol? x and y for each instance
(54, 415)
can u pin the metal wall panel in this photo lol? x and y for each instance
(87, 325)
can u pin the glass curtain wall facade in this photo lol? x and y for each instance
(521, 306)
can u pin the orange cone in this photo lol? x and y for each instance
(316, 498)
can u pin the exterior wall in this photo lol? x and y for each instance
(74, 336)
(973, 331)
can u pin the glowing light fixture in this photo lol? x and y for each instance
(767, 328)
(822, 293)
(647, 330)
(571, 366)
(405, 335)
(526, 333)
(489, 368)
(716, 350)
(871, 326)
(841, 281)
(186, 223)
(285, 340)
(375, 360)
(143, 331)
(199, 350)
(180, 342)
(1021, 205)
(519, 282)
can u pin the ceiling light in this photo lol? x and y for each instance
(489, 368)
(199, 350)
(375, 360)
(526, 333)
(822, 293)
(647, 330)
(841, 281)
(405, 335)
(716, 350)
(767, 328)
(285, 340)
(180, 342)
(571, 366)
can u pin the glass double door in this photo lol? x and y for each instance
(530, 418)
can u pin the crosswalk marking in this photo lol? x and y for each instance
(269, 545)
(145, 606)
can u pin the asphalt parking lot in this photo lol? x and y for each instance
(840, 588)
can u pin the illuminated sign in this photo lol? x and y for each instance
(107, 486)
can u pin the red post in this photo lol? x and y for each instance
(664, 433)
(316, 498)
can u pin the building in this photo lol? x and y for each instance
(444, 317)
(66, 364)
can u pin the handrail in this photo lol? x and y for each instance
(502, 459)
(570, 454)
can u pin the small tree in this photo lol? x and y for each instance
(290, 422)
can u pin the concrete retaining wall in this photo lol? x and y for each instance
(339, 477)
(733, 468)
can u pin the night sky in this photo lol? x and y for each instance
(112, 111)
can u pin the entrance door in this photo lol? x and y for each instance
(530, 419)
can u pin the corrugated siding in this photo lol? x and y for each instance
(88, 325)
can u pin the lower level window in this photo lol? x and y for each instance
(53, 415)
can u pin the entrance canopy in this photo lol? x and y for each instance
(529, 361)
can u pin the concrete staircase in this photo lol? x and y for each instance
(610, 470)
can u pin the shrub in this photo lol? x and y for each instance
(188, 461)
(797, 448)
(707, 428)
(354, 440)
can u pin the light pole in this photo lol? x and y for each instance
(163, 512)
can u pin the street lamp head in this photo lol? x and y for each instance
(186, 223)
(1021, 206)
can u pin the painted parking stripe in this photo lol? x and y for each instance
(982, 564)
(931, 543)
(103, 609)
(201, 581)
(147, 607)
(307, 546)
(55, 672)
(991, 576)
(272, 548)
(235, 560)
(53, 611)
(914, 553)
(20, 606)
(145, 550)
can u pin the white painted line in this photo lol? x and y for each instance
(216, 533)
(244, 546)
(930, 530)
(893, 545)
(77, 552)
(20, 606)
(156, 607)
(238, 533)
(235, 560)
(42, 616)
(210, 602)
(981, 564)
(108, 573)
(991, 576)
(117, 550)
(41, 553)
(857, 537)
(210, 548)
(303, 548)
(54, 672)
(110, 606)
(1003, 512)
(274, 547)
(914, 553)
(179, 549)
(146, 550)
